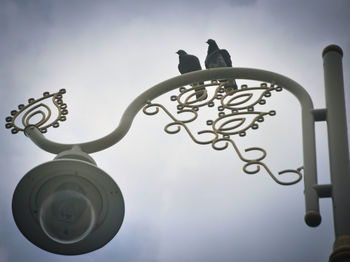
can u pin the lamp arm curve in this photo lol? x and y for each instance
(164, 87)
(308, 128)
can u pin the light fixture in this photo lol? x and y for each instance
(68, 206)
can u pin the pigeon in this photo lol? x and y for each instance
(219, 58)
(189, 63)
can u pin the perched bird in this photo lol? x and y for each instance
(219, 58)
(189, 63)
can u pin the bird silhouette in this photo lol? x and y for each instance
(217, 57)
(189, 63)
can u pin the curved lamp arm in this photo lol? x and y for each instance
(164, 87)
(308, 129)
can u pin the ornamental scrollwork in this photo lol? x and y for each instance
(236, 115)
(38, 113)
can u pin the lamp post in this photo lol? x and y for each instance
(338, 151)
(74, 207)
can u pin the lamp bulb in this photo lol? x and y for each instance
(67, 216)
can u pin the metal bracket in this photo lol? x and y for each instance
(319, 114)
(323, 191)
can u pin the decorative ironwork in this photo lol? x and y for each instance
(236, 115)
(35, 107)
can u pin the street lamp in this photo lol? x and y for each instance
(70, 206)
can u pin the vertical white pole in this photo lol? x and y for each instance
(338, 150)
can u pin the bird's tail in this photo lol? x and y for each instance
(230, 85)
(201, 93)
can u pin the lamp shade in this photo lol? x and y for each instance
(68, 206)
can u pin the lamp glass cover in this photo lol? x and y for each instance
(67, 216)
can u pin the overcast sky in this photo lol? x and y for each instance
(184, 202)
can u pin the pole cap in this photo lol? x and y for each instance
(332, 48)
(312, 218)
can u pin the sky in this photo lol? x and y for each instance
(183, 201)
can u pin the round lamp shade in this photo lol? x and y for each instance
(68, 206)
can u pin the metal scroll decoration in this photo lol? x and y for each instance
(236, 115)
(38, 113)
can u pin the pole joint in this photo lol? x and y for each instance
(319, 114)
(341, 249)
(323, 191)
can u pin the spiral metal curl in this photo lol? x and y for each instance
(180, 123)
(236, 115)
(36, 107)
(256, 162)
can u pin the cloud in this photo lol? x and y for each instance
(243, 2)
